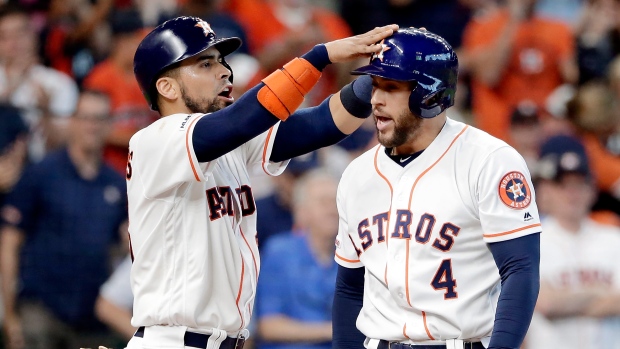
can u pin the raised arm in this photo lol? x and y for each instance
(280, 94)
(337, 117)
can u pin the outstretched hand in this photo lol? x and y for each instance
(359, 45)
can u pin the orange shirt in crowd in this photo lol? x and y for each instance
(263, 28)
(532, 71)
(605, 165)
(130, 112)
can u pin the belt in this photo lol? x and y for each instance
(199, 340)
(397, 345)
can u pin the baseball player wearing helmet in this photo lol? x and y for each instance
(438, 243)
(191, 208)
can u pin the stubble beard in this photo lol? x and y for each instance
(202, 105)
(406, 128)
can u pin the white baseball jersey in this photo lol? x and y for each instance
(421, 233)
(577, 261)
(193, 228)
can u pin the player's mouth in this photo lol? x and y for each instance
(383, 122)
(226, 94)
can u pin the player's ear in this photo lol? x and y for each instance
(168, 88)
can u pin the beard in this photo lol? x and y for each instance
(406, 127)
(202, 105)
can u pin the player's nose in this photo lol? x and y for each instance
(224, 72)
(377, 97)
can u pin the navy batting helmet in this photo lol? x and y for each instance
(418, 56)
(171, 42)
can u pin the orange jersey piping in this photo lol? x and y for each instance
(511, 231)
(239, 293)
(252, 252)
(189, 154)
(347, 260)
(411, 198)
(387, 233)
(428, 333)
(265, 150)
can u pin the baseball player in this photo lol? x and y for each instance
(438, 243)
(191, 208)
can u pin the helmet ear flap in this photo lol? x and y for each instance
(426, 105)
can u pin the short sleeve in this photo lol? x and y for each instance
(163, 155)
(505, 195)
(346, 253)
(258, 151)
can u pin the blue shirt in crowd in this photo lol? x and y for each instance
(293, 283)
(272, 218)
(12, 126)
(69, 225)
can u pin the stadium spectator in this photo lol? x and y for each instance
(446, 18)
(598, 38)
(115, 77)
(595, 113)
(60, 221)
(275, 211)
(525, 133)
(298, 272)
(579, 300)
(75, 36)
(211, 11)
(279, 30)
(47, 96)
(513, 55)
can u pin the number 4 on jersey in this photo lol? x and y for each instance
(443, 279)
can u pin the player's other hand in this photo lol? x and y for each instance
(359, 45)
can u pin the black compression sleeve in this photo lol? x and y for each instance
(518, 262)
(348, 300)
(220, 132)
(306, 130)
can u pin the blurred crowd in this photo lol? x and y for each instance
(543, 75)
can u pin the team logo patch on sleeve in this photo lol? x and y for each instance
(514, 191)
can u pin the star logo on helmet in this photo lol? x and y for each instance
(206, 28)
(379, 55)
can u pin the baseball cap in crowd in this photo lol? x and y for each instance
(303, 163)
(562, 155)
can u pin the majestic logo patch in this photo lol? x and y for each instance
(514, 191)
(206, 28)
